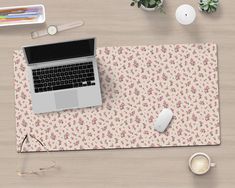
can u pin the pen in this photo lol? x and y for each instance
(17, 10)
(21, 16)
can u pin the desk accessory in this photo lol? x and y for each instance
(148, 5)
(200, 163)
(22, 15)
(40, 170)
(63, 75)
(53, 29)
(163, 120)
(137, 82)
(208, 6)
(185, 14)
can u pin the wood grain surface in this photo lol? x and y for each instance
(114, 23)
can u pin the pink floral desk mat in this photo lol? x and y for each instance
(137, 83)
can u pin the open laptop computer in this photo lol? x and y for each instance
(63, 75)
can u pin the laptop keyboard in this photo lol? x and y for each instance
(63, 77)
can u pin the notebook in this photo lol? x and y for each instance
(137, 82)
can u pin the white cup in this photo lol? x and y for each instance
(200, 163)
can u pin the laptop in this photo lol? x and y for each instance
(63, 75)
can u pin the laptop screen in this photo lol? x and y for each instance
(60, 51)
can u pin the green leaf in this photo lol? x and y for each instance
(152, 2)
(133, 4)
(146, 3)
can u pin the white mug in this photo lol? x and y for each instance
(200, 163)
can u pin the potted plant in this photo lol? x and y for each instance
(148, 5)
(208, 6)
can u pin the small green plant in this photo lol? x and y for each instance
(147, 3)
(208, 5)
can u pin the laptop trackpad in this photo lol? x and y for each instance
(66, 99)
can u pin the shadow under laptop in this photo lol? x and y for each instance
(107, 84)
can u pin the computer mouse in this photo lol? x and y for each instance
(163, 120)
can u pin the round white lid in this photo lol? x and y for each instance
(185, 14)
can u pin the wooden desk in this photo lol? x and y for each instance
(114, 22)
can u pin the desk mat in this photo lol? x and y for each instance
(137, 82)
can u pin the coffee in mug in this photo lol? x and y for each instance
(200, 163)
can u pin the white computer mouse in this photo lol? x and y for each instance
(163, 120)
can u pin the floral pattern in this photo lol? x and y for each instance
(137, 83)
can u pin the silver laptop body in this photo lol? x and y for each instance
(87, 95)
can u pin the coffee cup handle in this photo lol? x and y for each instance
(213, 165)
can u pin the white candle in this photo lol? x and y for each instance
(185, 14)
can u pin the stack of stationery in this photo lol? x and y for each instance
(21, 15)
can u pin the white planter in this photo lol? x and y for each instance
(151, 9)
(200, 9)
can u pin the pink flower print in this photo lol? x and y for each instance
(144, 77)
(179, 132)
(109, 134)
(194, 118)
(164, 77)
(200, 75)
(94, 120)
(192, 62)
(193, 90)
(132, 113)
(48, 130)
(123, 134)
(163, 49)
(165, 104)
(121, 78)
(149, 63)
(130, 58)
(109, 107)
(160, 99)
(107, 79)
(24, 123)
(66, 136)
(187, 56)
(143, 49)
(137, 92)
(178, 104)
(201, 103)
(22, 67)
(80, 121)
(53, 136)
(159, 70)
(177, 77)
(106, 51)
(137, 119)
(23, 96)
(200, 47)
(205, 62)
(136, 65)
(151, 119)
(206, 89)
(203, 130)
(150, 91)
(207, 118)
(122, 106)
(177, 48)
(131, 85)
(120, 50)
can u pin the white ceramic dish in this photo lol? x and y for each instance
(40, 18)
